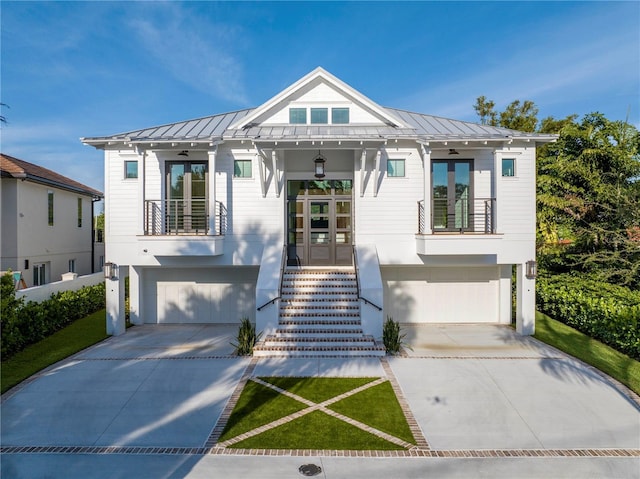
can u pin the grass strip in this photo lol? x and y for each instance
(614, 363)
(317, 389)
(382, 411)
(317, 430)
(79, 335)
(258, 405)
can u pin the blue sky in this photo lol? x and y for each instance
(75, 69)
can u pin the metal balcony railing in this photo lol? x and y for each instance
(183, 217)
(463, 215)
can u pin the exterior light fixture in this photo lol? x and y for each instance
(532, 269)
(319, 162)
(453, 151)
(183, 153)
(110, 271)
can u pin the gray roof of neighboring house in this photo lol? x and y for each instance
(20, 169)
(215, 128)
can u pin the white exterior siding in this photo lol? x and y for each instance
(390, 219)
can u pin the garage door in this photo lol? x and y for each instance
(217, 295)
(442, 295)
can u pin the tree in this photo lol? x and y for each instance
(588, 183)
(588, 191)
(485, 110)
(517, 116)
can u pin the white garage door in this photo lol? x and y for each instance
(217, 295)
(442, 295)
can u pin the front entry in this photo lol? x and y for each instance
(319, 223)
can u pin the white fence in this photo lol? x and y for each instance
(44, 292)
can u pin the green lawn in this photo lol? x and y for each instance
(377, 407)
(79, 335)
(317, 430)
(591, 351)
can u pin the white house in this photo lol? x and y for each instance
(317, 214)
(47, 223)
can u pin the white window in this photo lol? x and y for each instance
(319, 116)
(242, 168)
(339, 116)
(508, 167)
(395, 168)
(131, 169)
(298, 116)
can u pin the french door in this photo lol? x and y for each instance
(319, 224)
(452, 200)
(186, 199)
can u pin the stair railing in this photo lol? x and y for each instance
(355, 262)
(271, 301)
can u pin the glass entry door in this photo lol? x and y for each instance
(319, 226)
(452, 201)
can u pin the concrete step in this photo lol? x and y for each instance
(262, 350)
(296, 331)
(320, 323)
(353, 340)
(329, 315)
(315, 311)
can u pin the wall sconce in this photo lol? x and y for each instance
(183, 153)
(110, 270)
(532, 270)
(453, 151)
(319, 162)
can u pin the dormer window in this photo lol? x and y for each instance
(319, 116)
(298, 116)
(339, 116)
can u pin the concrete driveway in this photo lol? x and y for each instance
(488, 403)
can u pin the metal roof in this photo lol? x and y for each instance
(215, 128)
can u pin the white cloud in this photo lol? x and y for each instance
(194, 51)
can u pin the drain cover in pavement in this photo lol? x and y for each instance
(310, 470)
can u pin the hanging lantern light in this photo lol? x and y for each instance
(319, 162)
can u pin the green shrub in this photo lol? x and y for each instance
(247, 338)
(23, 324)
(392, 338)
(9, 306)
(603, 311)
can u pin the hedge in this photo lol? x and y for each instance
(23, 324)
(608, 313)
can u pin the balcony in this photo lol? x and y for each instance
(183, 217)
(463, 215)
(464, 226)
(183, 227)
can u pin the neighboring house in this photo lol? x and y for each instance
(205, 215)
(47, 222)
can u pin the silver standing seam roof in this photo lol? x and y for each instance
(215, 128)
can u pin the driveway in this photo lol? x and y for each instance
(488, 402)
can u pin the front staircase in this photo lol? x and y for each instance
(319, 316)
